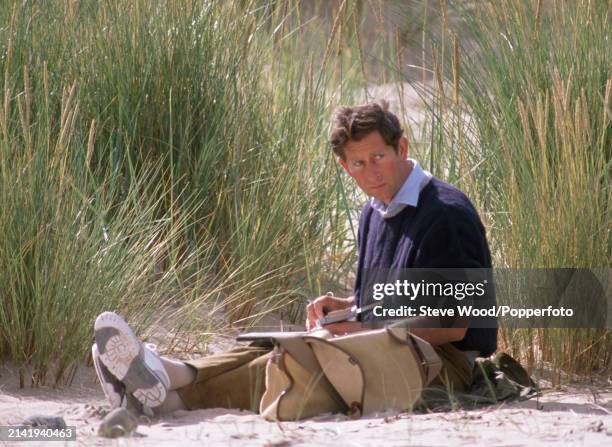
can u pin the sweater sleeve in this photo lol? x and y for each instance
(455, 239)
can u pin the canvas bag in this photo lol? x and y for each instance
(357, 374)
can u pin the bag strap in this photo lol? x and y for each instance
(430, 360)
(302, 353)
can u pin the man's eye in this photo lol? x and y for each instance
(379, 156)
(357, 164)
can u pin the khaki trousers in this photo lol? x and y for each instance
(236, 379)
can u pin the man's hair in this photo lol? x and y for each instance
(356, 122)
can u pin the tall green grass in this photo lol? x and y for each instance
(168, 160)
(73, 245)
(521, 120)
(158, 158)
(518, 116)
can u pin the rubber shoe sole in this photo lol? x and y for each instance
(113, 389)
(139, 369)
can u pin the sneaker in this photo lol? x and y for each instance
(113, 389)
(137, 366)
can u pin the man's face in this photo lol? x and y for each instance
(377, 168)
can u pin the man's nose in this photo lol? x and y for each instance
(372, 172)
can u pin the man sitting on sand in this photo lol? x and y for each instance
(412, 220)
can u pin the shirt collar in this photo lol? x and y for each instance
(408, 195)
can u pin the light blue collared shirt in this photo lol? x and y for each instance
(408, 195)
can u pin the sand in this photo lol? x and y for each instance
(575, 415)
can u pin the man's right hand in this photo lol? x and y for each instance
(322, 305)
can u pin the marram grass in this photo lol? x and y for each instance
(158, 158)
(526, 131)
(169, 158)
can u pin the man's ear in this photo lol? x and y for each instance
(402, 147)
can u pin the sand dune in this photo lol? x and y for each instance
(581, 415)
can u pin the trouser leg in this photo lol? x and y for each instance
(236, 379)
(233, 379)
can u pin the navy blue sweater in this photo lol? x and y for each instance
(443, 231)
